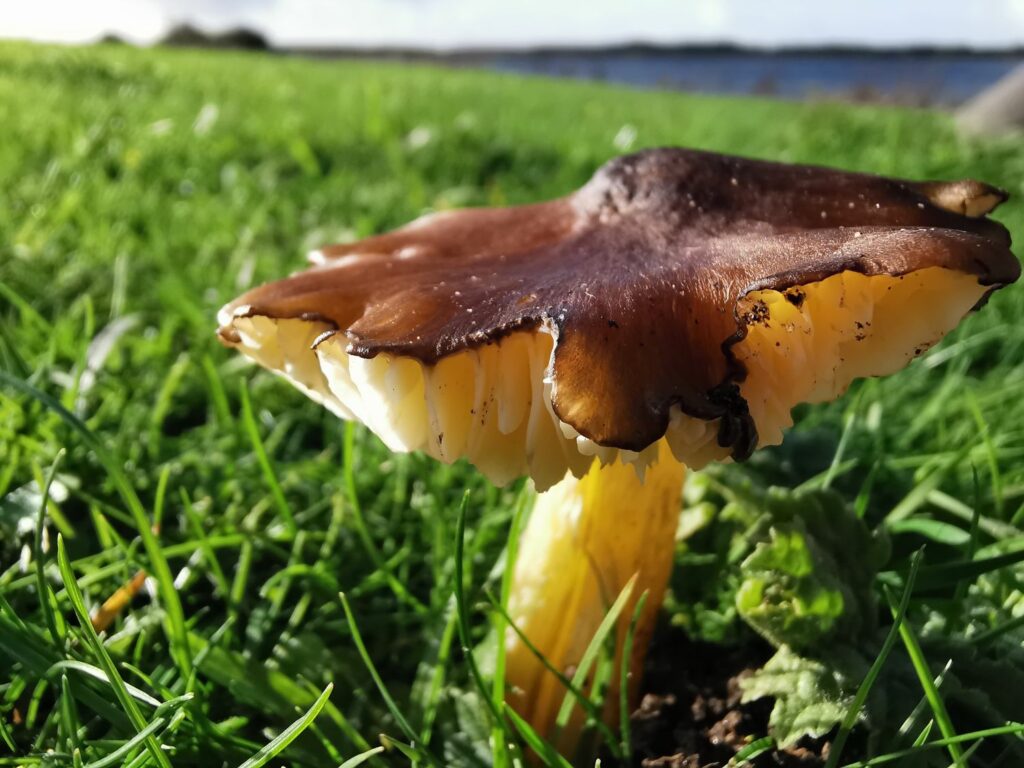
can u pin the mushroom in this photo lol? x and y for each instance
(669, 313)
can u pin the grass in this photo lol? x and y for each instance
(142, 189)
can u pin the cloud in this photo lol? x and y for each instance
(447, 23)
(213, 8)
(70, 21)
(451, 23)
(216, 13)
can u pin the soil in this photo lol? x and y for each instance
(690, 715)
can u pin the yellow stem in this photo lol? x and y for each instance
(584, 541)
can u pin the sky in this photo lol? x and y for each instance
(445, 24)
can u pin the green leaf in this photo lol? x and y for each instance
(811, 696)
(812, 577)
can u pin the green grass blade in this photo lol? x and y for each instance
(252, 430)
(117, 684)
(165, 397)
(983, 638)
(9, 353)
(922, 737)
(1010, 729)
(97, 673)
(997, 529)
(925, 677)
(544, 751)
(352, 762)
(20, 644)
(859, 698)
(949, 574)
(25, 308)
(218, 395)
(592, 710)
(278, 745)
(160, 497)
(177, 633)
(462, 609)
(348, 472)
(625, 735)
(500, 623)
(991, 452)
(408, 751)
(590, 655)
(389, 702)
(849, 420)
(434, 693)
(5, 733)
(753, 749)
(69, 723)
(54, 621)
(918, 495)
(209, 555)
(118, 754)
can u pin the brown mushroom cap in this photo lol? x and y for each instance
(641, 277)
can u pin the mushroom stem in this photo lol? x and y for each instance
(583, 543)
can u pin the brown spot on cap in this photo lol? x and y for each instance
(629, 245)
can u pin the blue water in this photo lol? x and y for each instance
(945, 79)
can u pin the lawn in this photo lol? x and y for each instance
(141, 189)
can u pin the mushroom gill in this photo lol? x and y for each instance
(807, 343)
(492, 405)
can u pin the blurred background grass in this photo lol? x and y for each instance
(141, 189)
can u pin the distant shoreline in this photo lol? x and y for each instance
(645, 49)
(912, 75)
